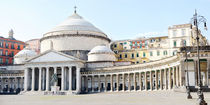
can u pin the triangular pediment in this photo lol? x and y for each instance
(52, 56)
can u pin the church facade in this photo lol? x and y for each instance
(76, 58)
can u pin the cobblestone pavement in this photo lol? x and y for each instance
(109, 98)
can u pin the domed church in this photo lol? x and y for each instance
(76, 58)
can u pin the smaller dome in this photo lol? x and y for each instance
(24, 55)
(101, 49)
(101, 53)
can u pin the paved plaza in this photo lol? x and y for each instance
(112, 98)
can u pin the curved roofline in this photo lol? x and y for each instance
(75, 35)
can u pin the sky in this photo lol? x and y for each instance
(119, 19)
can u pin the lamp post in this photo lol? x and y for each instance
(196, 21)
(188, 85)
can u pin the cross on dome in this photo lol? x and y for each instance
(75, 9)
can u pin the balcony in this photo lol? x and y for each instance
(194, 49)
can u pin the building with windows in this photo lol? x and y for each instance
(8, 48)
(75, 57)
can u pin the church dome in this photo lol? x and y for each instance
(75, 24)
(24, 55)
(67, 36)
(101, 53)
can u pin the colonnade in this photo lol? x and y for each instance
(160, 79)
(40, 78)
(11, 84)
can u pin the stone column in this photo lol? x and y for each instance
(62, 78)
(92, 83)
(145, 80)
(129, 84)
(40, 79)
(208, 71)
(169, 72)
(15, 84)
(174, 77)
(33, 79)
(111, 78)
(43, 78)
(134, 81)
(21, 83)
(140, 81)
(78, 80)
(105, 83)
(177, 76)
(55, 72)
(151, 81)
(86, 83)
(70, 79)
(181, 70)
(26, 79)
(9, 85)
(123, 82)
(165, 75)
(117, 79)
(47, 78)
(2, 84)
(161, 79)
(156, 79)
(99, 83)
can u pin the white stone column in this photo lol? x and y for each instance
(161, 79)
(156, 79)
(134, 81)
(174, 77)
(62, 78)
(43, 78)
(40, 79)
(165, 75)
(21, 83)
(9, 85)
(78, 80)
(208, 71)
(140, 81)
(92, 83)
(111, 78)
(129, 84)
(26, 79)
(99, 83)
(123, 82)
(15, 84)
(177, 76)
(86, 83)
(33, 79)
(55, 72)
(145, 80)
(181, 71)
(117, 79)
(47, 78)
(169, 77)
(70, 79)
(151, 81)
(105, 82)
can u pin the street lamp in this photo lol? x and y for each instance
(188, 85)
(196, 21)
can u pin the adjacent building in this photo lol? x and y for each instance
(8, 48)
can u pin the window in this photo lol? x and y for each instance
(115, 52)
(18, 47)
(151, 54)
(7, 61)
(144, 61)
(165, 52)
(1, 52)
(125, 47)
(174, 43)
(1, 44)
(125, 42)
(158, 53)
(132, 55)
(6, 45)
(120, 56)
(12, 46)
(126, 55)
(174, 53)
(137, 62)
(1, 60)
(184, 43)
(183, 32)
(12, 53)
(174, 32)
(137, 55)
(144, 54)
(121, 43)
(6, 52)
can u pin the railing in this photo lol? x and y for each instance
(194, 49)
